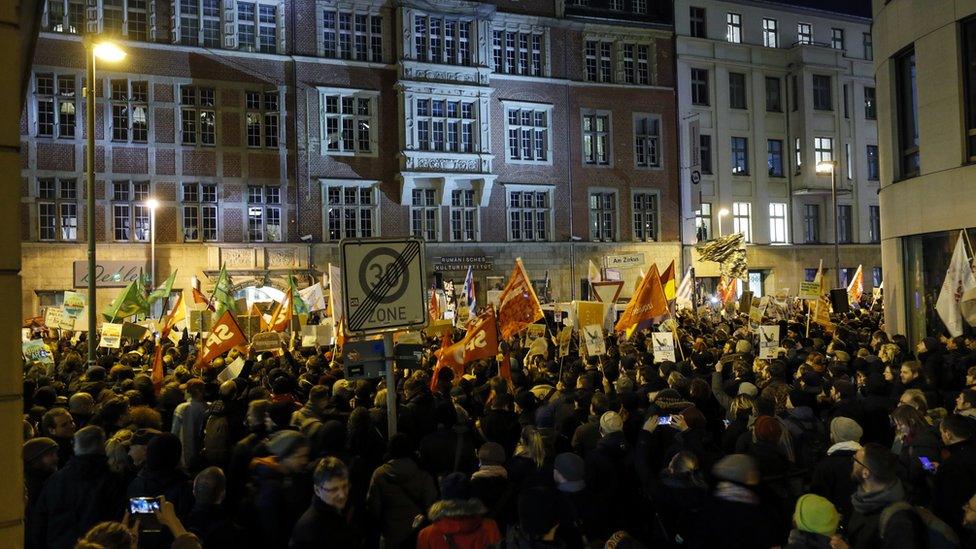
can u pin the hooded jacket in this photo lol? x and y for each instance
(458, 524)
(398, 492)
(862, 529)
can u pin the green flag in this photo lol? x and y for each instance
(222, 298)
(131, 301)
(298, 304)
(163, 290)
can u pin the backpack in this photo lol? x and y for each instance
(216, 440)
(811, 444)
(939, 534)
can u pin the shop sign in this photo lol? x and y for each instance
(622, 261)
(109, 274)
(462, 262)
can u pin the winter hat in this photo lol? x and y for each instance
(845, 429)
(737, 468)
(767, 429)
(537, 511)
(455, 486)
(746, 388)
(163, 452)
(491, 453)
(36, 448)
(545, 417)
(693, 417)
(570, 466)
(283, 443)
(611, 422)
(743, 346)
(816, 514)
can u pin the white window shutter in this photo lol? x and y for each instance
(230, 24)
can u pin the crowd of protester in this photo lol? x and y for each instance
(850, 438)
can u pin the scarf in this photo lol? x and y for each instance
(487, 471)
(846, 445)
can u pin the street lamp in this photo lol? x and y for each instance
(721, 213)
(824, 168)
(106, 51)
(152, 204)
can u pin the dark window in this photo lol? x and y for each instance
(847, 113)
(737, 90)
(705, 151)
(845, 226)
(811, 223)
(774, 153)
(809, 275)
(872, 162)
(868, 46)
(821, 93)
(837, 39)
(874, 229)
(969, 69)
(907, 114)
(740, 156)
(774, 99)
(870, 104)
(697, 19)
(699, 87)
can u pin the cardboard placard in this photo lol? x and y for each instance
(133, 331)
(81, 321)
(756, 311)
(809, 290)
(267, 341)
(592, 335)
(36, 350)
(52, 317)
(563, 339)
(232, 370)
(535, 331)
(410, 337)
(663, 343)
(111, 335)
(320, 334)
(73, 304)
(769, 341)
(200, 321)
(494, 297)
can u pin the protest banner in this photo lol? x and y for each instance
(769, 341)
(36, 350)
(267, 341)
(111, 335)
(232, 370)
(320, 334)
(663, 343)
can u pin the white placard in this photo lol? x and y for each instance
(593, 339)
(232, 370)
(768, 341)
(663, 346)
(111, 335)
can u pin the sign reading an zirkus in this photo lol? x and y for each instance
(109, 274)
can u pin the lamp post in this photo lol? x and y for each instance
(106, 51)
(721, 214)
(152, 204)
(823, 168)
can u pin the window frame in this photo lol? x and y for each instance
(909, 160)
(534, 211)
(874, 224)
(696, 86)
(870, 103)
(510, 57)
(57, 99)
(733, 27)
(743, 170)
(201, 205)
(822, 95)
(435, 43)
(705, 153)
(459, 129)
(845, 224)
(138, 214)
(128, 103)
(697, 26)
(341, 40)
(811, 224)
(703, 222)
(266, 205)
(837, 39)
(546, 109)
(646, 139)
(60, 197)
(598, 230)
(197, 109)
(640, 217)
(268, 113)
(873, 166)
(823, 153)
(770, 30)
(426, 207)
(779, 232)
(804, 33)
(738, 91)
(771, 172)
(774, 95)
(590, 146)
(464, 200)
(357, 121)
(343, 207)
(739, 219)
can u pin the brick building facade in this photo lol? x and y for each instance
(270, 129)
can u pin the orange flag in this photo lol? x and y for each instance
(176, 314)
(646, 303)
(199, 298)
(517, 306)
(433, 306)
(480, 342)
(225, 334)
(282, 315)
(157, 370)
(856, 288)
(727, 289)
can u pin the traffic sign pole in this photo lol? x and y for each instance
(391, 417)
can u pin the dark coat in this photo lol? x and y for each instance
(498, 494)
(582, 520)
(279, 499)
(175, 485)
(398, 492)
(74, 499)
(215, 528)
(610, 474)
(954, 484)
(733, 525)
(323, 526)
(862, 528)
(440, 454)
(501, 426)
(832, 480)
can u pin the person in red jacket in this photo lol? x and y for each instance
(458, 520)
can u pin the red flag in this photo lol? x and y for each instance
(517, 305)
(647, 302)
(157, 369)
(480, 342)
(224, 336)
(199, 298)
(433, 306)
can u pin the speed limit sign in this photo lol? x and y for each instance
(383, 283)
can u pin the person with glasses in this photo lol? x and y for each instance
(878, 487)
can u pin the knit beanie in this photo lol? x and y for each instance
(283, 443)
(767, 429)
(746, 388)
(845, 429)
(737, 468)
(611, 422)
(816, 514)
(455, 486)
(35, 448)
(570, 466)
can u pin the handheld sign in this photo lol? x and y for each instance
(36, 350)
(111, 335)
(663, 346)
(593, 337)
(268, 341)
(768, 341)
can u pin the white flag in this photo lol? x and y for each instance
(685, 291)
(958, 280)
(593, 272)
